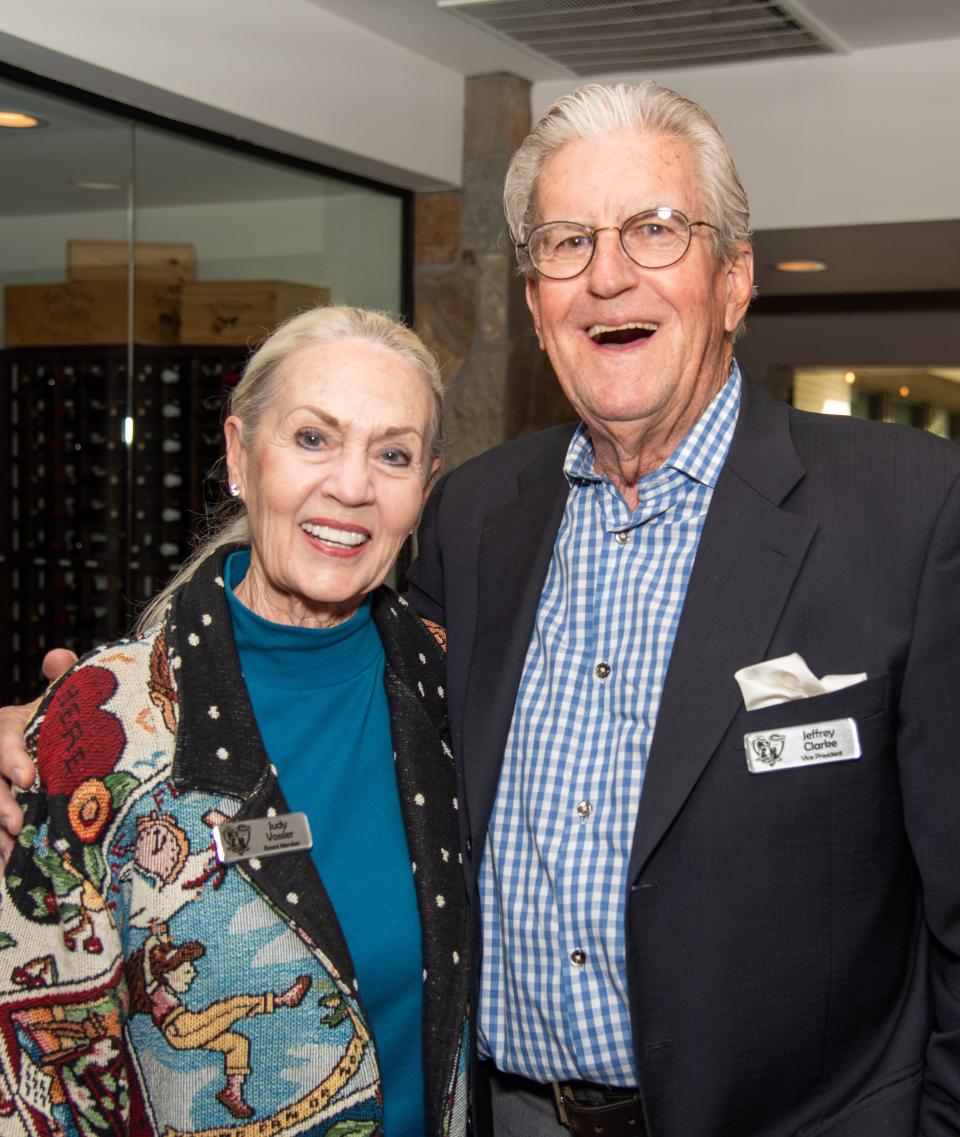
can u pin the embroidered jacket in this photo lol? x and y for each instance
(147, 988)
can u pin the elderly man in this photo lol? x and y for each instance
(703, 672)
(710, 907)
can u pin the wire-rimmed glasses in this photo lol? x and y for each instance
(655, 238)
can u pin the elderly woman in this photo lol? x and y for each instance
(235, 904)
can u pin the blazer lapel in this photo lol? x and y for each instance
(516, 544)
(749, 555)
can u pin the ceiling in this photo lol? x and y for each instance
(920, 256)
(602, 37)
(448, 39)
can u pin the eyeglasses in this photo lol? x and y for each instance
(656, 238)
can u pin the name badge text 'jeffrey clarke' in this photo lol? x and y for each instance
(261, 837)
(812, 744)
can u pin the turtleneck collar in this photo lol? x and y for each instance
(297, 658)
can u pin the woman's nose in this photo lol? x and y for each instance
(348, 480)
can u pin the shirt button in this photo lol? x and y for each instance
(622, 537)
(584, 808)
(602, 670)
(578, 958)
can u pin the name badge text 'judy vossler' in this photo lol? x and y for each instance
(261, 837)
(812, 744)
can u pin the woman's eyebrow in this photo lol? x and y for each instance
(332, 420)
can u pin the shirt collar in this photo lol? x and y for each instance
(700, 454)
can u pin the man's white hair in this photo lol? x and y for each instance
(595, 110)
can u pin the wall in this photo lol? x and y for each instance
(838, 140)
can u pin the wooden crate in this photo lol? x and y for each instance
(90, 312)
(241, 312)
(159, 262)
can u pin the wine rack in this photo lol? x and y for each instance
(108, 482)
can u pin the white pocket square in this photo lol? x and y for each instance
(786, 679)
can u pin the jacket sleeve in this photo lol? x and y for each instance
(63, 997)
(929, 758)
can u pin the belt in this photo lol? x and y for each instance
(584, 1108)
(618, 1113)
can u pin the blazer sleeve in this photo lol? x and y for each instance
(929, 757)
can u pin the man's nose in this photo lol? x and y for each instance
(611, 270)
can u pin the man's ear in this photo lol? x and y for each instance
(533, 303)
(431, 480)
(739, 281)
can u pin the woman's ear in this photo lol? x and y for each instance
(236, 455)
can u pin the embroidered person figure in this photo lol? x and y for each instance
(161, 971)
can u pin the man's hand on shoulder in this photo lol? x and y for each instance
(15, 764)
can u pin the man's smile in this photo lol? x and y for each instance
(630, 332)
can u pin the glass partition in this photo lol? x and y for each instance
(113, 381)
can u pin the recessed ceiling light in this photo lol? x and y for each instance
(19, 120)
(98, 184)
(850, 377)
(800, 266)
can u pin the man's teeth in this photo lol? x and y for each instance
(598, 330)
(336, 536)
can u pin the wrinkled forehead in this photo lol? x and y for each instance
(346, 371)
(619, 172)
(352, 383)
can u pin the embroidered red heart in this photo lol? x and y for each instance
(79, 740)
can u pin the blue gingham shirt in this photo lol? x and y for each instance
(553, 879)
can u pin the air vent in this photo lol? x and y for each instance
(594, 37)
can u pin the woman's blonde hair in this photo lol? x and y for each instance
(254, 395)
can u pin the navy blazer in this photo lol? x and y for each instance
(793, 939)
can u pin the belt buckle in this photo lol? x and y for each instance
(560, 1102)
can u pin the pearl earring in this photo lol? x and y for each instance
(233, 489)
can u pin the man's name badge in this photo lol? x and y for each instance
(261, 837)
(809, 745)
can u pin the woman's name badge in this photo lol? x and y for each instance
(261, 837)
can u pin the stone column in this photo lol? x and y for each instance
(468, 299)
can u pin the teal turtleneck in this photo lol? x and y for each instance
(321, 707)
